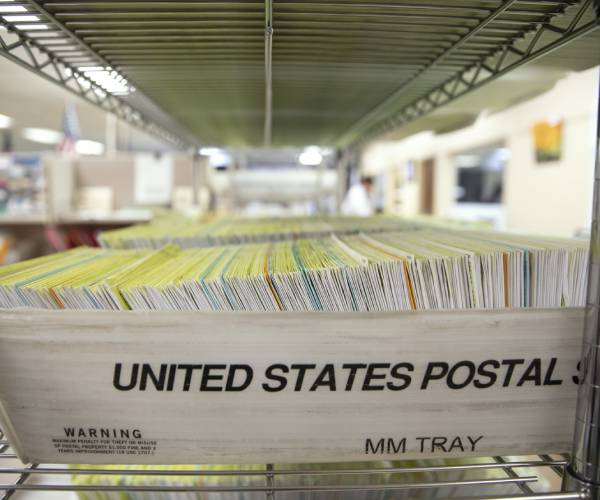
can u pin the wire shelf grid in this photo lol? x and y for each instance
(538, 477)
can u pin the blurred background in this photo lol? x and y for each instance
(517, 157)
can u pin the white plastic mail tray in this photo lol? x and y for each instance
(128, 387)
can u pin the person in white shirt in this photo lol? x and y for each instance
(357, 201)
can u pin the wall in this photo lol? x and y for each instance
(548, 198)
(67, 176)
(558, 194)
(402, 196)
(118, 173)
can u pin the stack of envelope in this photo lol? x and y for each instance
(416, 269)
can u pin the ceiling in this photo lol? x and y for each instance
(339, 68)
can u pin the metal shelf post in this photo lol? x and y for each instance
(583, 473)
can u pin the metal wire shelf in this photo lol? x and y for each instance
(512, 479)
(222, 72)
(465, 55)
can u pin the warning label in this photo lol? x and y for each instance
(94, 441)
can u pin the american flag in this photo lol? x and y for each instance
(71, 132)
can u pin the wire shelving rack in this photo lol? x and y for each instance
(476, 50)
(511, 478)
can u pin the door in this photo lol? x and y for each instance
(427, 179)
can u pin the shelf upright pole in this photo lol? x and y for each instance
(583, 473)
(341, 167)
(268, 124)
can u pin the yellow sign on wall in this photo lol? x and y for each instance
(547, 137)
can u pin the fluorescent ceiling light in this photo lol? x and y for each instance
(311, 156)
(209, 151)
(55, 41)
(27, 18)
(83, 69)
(31, 27)
(86, 147)
(5, 121)
(84, 83)
(108, 79)
(42, 135)
(5, 9)
(219, 160)
(49, 34)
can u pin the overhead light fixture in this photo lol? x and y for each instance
(31, 27)
(84, 83)
(108, 79)
(7, 9)
(218, 158)
(25, 18)
(42, 135)
(311, 156)
(87, 147)
(210, 151)
(55, 41)
(5, 122)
